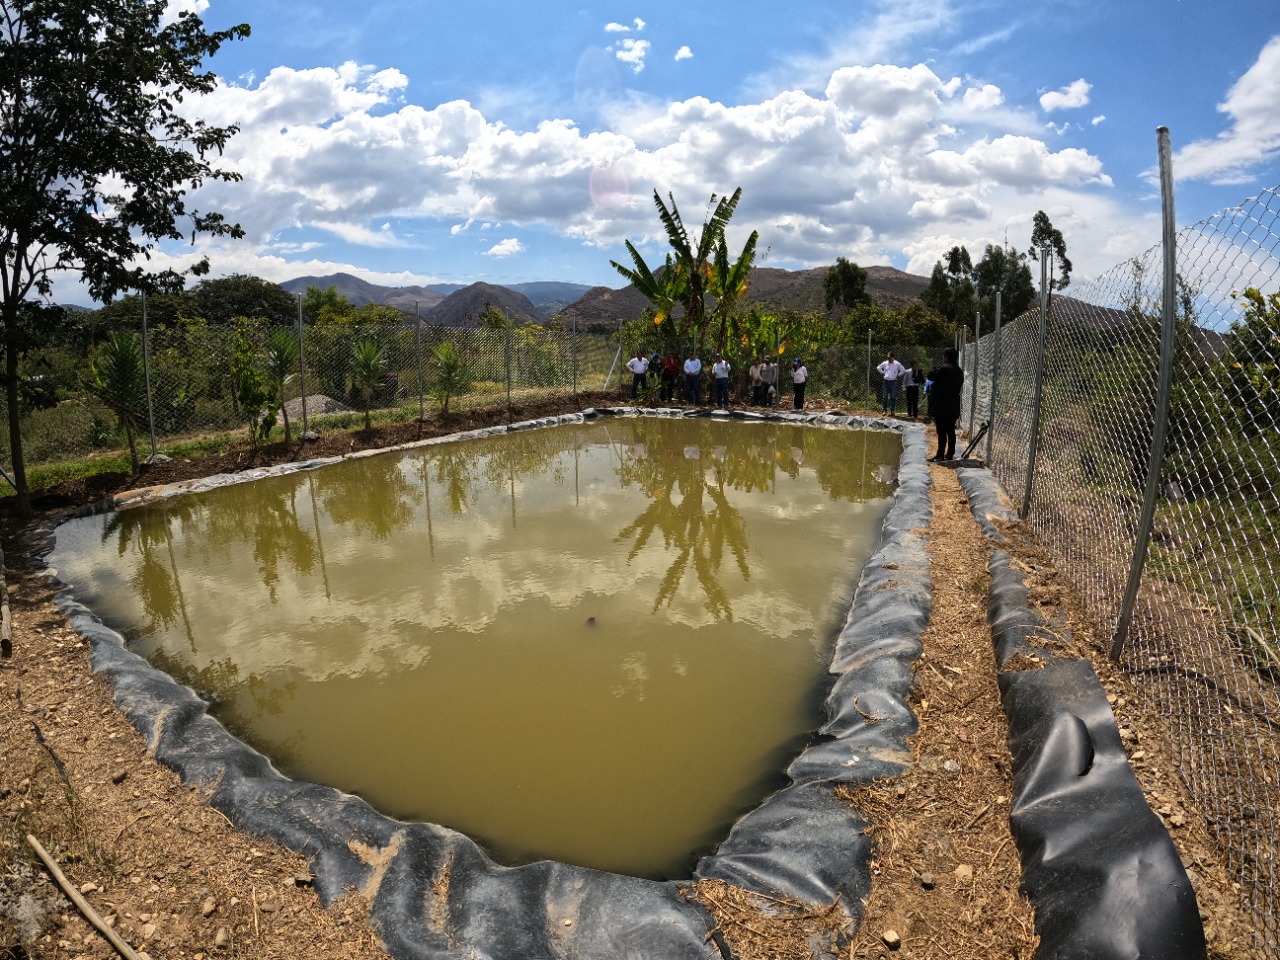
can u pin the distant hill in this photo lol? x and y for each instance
(464, 307)
(359, 292)
(548, 296)
(798, 290)
(595, 307)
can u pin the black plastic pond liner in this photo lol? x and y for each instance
(1099, 867)
(1102, 874)
(433, 891)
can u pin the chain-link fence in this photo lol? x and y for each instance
(189, 373)
(1201, 641)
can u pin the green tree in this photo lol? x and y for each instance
(690, 259)
(959, 264)
(845, 284)
(164, 310)
(219, 301)
(492, 318)
(1003, 270)
(916, 323)
(326, 306)
(256, 393)
(378, 314)
(100, 153)
(117, 377)
(366, 374)
(951, 292)
(451, 375)
(1253, 358)
(1046, 237)
(282, 366)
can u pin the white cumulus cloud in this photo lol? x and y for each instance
(505, 248)
(1253, 134)
(684, 53)
(983, 98)
(885, 154)
(633, 52)
(1073, 95)
(636, 25)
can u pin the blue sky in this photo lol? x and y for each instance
(418, 142)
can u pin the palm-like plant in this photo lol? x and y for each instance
(729, 282)
(117, 377)
(282, 365)
(451, 375)
(366, 374)
(690, 259)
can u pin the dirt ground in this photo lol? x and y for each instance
(176, 880)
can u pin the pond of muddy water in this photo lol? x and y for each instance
(598, 643)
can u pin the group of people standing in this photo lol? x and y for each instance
(942, 385)
(665, 373)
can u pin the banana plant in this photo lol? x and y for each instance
(691, 261)
(729, 282)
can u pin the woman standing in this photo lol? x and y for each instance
(911, 383)
(799, 377)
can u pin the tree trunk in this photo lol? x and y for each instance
(133, 446)
(11, 402)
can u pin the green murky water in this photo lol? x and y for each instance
(593, 643)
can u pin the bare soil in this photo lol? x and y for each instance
(177, 880)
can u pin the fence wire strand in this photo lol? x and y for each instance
(1203, 645)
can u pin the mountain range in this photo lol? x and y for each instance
(546, 297)
(587, 307)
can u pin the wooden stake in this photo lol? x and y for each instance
(81, 903)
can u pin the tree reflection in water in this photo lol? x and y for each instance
(692, 475)
(687, 484)
(638, 583)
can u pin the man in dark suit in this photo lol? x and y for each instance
(944, 401)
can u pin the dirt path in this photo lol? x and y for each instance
(178, 881)
(947, 871)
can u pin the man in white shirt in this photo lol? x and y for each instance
(639, 368)
(892, 371)
(693, 379)
(720, 371)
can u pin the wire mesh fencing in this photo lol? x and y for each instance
(323, 378)
(1202, 642)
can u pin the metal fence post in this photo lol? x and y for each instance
(995, 379)
(302, 374)
(1037, 396)
(973, 375)
(616, 357)
(871, 399)
(146, 369)
(1168, 336)
(507, 333)
(417, 346)
(573, 353)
